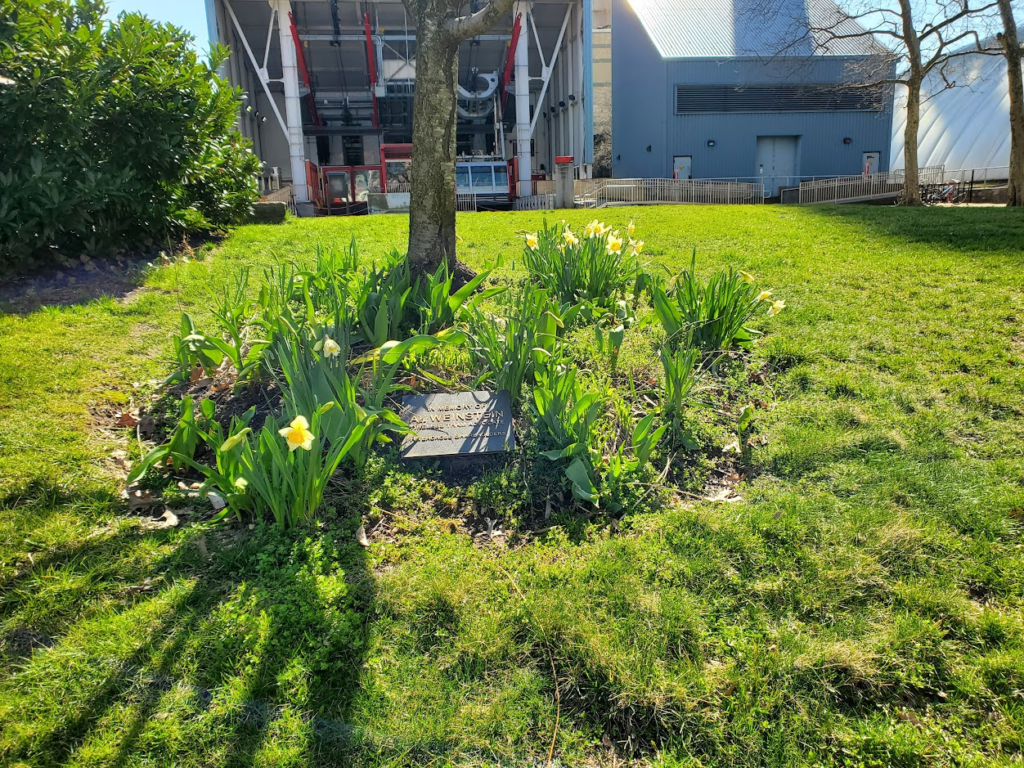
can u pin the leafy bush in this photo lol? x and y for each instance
(595, 266)
(111, 134)
(711, 315)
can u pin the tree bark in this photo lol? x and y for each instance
(439, 30)
(1011, 51)
(911, 174)
(434, 117)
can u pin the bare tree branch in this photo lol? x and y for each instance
(465, 27)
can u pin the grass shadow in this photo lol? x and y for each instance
(996, 230)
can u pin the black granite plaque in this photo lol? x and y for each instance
(461, 424)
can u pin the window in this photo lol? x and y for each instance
(482, 177)
(462, 178)
(501, 177)
(367, 181)
(777, 98)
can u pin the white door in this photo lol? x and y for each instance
(777, 162)
(682, 166)
(870, 162)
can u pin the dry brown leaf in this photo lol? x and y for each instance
(127, 419)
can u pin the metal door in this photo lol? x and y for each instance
(682, 167)
(777, 162)
(870, 162)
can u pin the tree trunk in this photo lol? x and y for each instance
(911, 176)
(432, 203)
(1011, 50)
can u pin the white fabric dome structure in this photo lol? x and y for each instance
(967, 126)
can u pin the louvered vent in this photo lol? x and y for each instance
(776, 98)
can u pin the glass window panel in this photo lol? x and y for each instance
(367, 181)
(482, 177)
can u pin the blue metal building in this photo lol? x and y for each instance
(718, 89)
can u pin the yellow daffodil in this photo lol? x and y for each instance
(297, 434)
(241, 484)
(531, 241)
(569, 237)
(746, 277)
(776, 307)
(331, 347)
(318, 346)
(764, 295)
(631, 228)
(636, 246)
(614, 244)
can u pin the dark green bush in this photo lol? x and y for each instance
(111, 134)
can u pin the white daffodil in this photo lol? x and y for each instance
(331, 347)
(297, 434)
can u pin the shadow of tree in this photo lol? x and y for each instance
(269, 624)
(998, 230)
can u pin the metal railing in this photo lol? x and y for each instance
(465, 202)
(598, 193)
(979, 176)
(542, 202)
(849, 189)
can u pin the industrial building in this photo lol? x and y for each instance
(329, 85)
(737, 89)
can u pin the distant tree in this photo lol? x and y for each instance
(441, 26)
(1010, 46)
(919, 37)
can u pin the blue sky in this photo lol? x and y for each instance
(190, 14)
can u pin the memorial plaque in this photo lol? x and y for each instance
(461, 424)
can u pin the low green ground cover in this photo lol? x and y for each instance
(854, 601)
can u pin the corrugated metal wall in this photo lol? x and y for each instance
(643, 113)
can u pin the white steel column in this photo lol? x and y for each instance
(523, 128)
(292, 107)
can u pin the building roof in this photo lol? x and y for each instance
(728, 28)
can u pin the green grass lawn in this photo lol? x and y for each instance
(861, 606)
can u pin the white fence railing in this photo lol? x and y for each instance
(465, 202)
(541, 202)
(846, 189)
(602, 192)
